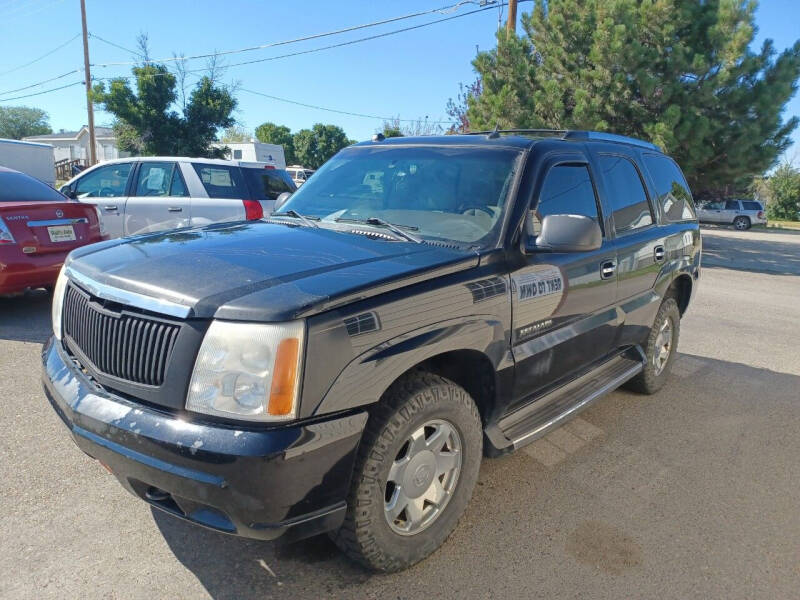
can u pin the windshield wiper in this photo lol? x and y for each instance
(293, 213)
(377, 221)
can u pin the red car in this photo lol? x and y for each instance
(38, 228)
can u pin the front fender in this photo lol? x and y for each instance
(365, 379)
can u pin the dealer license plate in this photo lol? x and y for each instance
(61, 233)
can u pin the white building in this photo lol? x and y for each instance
(254, 151)
(73, 145)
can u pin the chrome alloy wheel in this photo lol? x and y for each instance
(663, 346)
(422, 477)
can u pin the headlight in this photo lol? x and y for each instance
(58, 302)
(248, 371)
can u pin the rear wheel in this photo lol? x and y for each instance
(741, 223)
(416, 468)
(662, 345)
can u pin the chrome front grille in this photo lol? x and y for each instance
(134, 348)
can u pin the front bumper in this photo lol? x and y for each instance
(288, 481)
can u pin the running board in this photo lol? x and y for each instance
(553, 409)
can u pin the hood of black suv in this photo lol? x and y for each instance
(260, 271)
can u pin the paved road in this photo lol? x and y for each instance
(691, 493)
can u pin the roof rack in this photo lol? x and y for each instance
(568, 134)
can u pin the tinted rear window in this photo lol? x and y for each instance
(222, 181)
(626, 193)
(18, 187)
(673, 192)
(751, 205)
(267, 184)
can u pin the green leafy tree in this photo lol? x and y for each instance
(314, 146)
(235, 134)
(17, 122)
(270, 133)
(677, 72)
(784, 194)
(148, 122)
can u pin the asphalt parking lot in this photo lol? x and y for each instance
(690, 493)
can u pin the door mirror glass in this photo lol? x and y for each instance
(281, 200)
(67, 191)
(566, 233)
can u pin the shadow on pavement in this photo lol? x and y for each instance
(26, 318)
(659, 481)
(743, 254)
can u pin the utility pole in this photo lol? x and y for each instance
(511, 22)
(89, 108)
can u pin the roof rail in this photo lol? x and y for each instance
(568, 134)
(609, 137)
(554, 132)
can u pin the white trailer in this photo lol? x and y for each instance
(31, 158)
(271, 154)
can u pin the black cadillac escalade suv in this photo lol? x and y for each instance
(343, 365)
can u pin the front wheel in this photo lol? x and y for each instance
(741, 223)
(416, 468)
(660, 350)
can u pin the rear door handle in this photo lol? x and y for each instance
(607, 269)
(110, 207)
(658, 253)
(175, 209)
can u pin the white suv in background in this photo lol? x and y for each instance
(742, 214)
(146, 194)
(299, 174)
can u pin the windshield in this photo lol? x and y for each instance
(444, 193)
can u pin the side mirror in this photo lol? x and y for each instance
(67, 191)
(566, 233)
(281, 200)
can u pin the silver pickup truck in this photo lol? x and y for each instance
(742, 214)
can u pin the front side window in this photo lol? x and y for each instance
(450, 193)
(626, 194)
(673, 192)
(104, 182)
(222, 181)
(566, 190)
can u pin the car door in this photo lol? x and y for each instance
(640, 245)
(107, 188)
(221, 195)
(159, 200)
(564, 316)
(731, 211)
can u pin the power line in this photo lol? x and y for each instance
(45, 55)
(105, 41)
(442, 10)
(38, 83)
(42, 92)
(321, 48)
(341, 112)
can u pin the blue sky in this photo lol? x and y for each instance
(410, 75)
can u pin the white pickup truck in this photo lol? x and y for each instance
(146, 194)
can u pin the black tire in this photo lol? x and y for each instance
(411, 402)
(742, 223)
(650, 380)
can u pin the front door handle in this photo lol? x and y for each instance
(607, 269)
(110, 207)
(658, 253)
(175, 209)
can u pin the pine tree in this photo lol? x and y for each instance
(676, 72)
